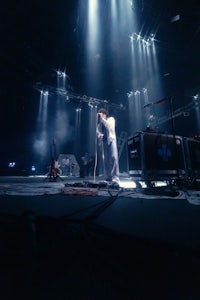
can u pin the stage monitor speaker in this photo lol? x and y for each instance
(154, 156)
(192, 153)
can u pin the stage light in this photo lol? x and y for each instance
(127, 184)
(137, 92)
(145, 41)
(59, 73)
(33, 168)
(152, 37)
(175, 18)
(44, 93)
(143, 184)
(130, 94)
(90, 105)
(11, 164)
(160, 183)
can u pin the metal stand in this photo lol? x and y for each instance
(174, 138)
(53, 174)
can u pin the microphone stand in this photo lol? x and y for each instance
(174, 137)
(97, 143)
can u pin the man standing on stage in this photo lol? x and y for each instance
(107, 137)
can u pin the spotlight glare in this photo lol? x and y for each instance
(175, 18)
(129, 94)
(59, 73)
(152, 37)
(127, 184)
(33, 168)
(145, 41)
(137, 92)
(90, 105)
(11, 164)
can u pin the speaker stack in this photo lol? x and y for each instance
(192, 157)
(154, 156)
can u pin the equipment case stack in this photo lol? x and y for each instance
(156, 156)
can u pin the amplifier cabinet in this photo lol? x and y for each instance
(192, 154)
(154, 156)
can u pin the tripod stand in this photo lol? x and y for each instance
(54, 170)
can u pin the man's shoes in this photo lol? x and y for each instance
(115, 179)
(112, 179)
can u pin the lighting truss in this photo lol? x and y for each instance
(69, 95)
(180, 111)
(93, 101)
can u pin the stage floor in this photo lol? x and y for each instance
(83, 239)
(170, 215)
